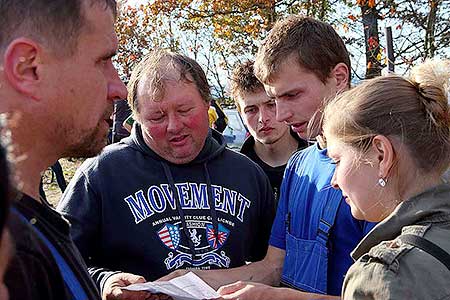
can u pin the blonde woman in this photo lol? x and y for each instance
(390, 140)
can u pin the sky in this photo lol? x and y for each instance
(135, 2)
(356, 61)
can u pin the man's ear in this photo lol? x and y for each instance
(385, 155)
(21, 61)
(340, 73)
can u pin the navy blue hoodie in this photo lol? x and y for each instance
(125, 216)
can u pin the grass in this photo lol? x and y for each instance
(51, 188)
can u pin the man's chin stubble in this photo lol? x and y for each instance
(88, 146)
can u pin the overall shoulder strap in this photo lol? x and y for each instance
(328, 216)
(427, 246)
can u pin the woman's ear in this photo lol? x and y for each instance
(384, 154)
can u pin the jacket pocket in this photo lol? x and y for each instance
(305, 265)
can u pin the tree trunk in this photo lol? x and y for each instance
(430, 46)
(371, 38)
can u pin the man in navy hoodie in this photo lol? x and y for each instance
(171, 195)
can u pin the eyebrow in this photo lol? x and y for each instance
(284, 94)
(290, 91)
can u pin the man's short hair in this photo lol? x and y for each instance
(161, 65)
(243, 80)
(56, 23)
(316, 45)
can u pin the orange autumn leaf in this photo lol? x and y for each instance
(345, 27)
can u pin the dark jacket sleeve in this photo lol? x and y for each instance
(266, 217)
(32, 272)
(80, 205)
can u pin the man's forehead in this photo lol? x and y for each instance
(99, 20)
(152, 88)
(277, 87)
(256, 98)
(146, 88)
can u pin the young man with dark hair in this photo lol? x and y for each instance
(58, 85)
(271, 143)
(163, 198)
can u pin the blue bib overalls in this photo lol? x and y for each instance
(306, 261)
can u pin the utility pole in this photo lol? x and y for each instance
(390, 49)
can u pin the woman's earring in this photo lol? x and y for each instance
(382, 182)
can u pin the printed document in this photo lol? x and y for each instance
(186, 287)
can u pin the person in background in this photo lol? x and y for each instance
(121, 112)
(221, 120)
(59, 174)
(212, 116)
(58, 85)
(271, 143)
(128, 123)
(390, 140)
(163, 198)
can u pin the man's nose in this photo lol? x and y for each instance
(263, 116)
(116, 88)
(283, 112)
(174, 124)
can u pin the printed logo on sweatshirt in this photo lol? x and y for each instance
(169, 235)
(158, 203)
(192, 196)
(216, 240)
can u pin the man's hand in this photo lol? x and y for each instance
(247, 291)
(174, 274)
(112, 289)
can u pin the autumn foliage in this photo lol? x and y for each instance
(219, 33)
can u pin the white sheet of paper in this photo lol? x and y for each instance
(186, 287)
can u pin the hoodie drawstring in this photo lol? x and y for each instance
(179, 209)
(212, 205)
(211, 202)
